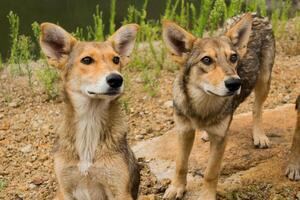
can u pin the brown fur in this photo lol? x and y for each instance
(109, 171)
(201, 98)
(293, 169)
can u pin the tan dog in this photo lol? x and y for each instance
(217, 74)
(293, 169)
(93, 160)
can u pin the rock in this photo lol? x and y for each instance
(286, 99)
(37, 181)
(32, 186)
(13, 104)
(1, 116)
(139, 80)
(27, 148)
(298, 195)
(139, 137)
(18, 197)
(168, 104)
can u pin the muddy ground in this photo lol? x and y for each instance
(28, 123)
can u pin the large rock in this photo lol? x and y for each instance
(242, 162)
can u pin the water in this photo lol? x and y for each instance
(69, 13)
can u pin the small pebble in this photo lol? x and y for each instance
(27, 148)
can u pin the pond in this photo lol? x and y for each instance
(68, 13)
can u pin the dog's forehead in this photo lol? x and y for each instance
(93, 48)
(214, 45)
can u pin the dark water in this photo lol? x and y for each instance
(69, 13)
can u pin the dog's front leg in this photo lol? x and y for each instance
(293, 169)
(185, 140)
(218, 138)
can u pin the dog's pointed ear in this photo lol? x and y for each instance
(124, 38)
(240, 33)
(56, 44)
(177, 40)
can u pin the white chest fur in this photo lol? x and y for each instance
(90, 119)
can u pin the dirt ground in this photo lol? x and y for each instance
(28, 123)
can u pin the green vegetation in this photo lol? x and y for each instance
(112, 26)
(49, 77)
(1, 63)
(97, 31)
(149, 54)
(2, 184)
(25, 56)
(14, 22)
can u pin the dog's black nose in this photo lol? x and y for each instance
(233, 84)
(114, 80)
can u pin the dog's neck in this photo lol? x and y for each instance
(204, 103)
(89, 118)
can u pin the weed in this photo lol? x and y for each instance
(170, 11)
(203, 17)
(125, 101)
(2, 184)
(132, 15)
(25, 56)
(149, 78)
(79, 34)
(217, 15)
(97, 31)
(49, 77)
(1, 64)
(36, 33)
(234, 8)
(14, 23)
(112, 26)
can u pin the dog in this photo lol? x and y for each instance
(92, 160)
(293, 169)
(216, 75)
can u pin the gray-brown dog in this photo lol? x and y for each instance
(216, 75)
(93, 160)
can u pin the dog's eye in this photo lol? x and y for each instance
(233, 58)
(116, 60)
(206, 60)
(87, 60)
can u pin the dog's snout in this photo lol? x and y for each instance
(114, 80)
(233, 84)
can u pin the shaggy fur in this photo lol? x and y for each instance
(201, 98)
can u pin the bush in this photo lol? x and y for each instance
(49, 77)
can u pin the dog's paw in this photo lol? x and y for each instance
(174, 192)
(204, 136)
(293, 172)
(261, 141)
